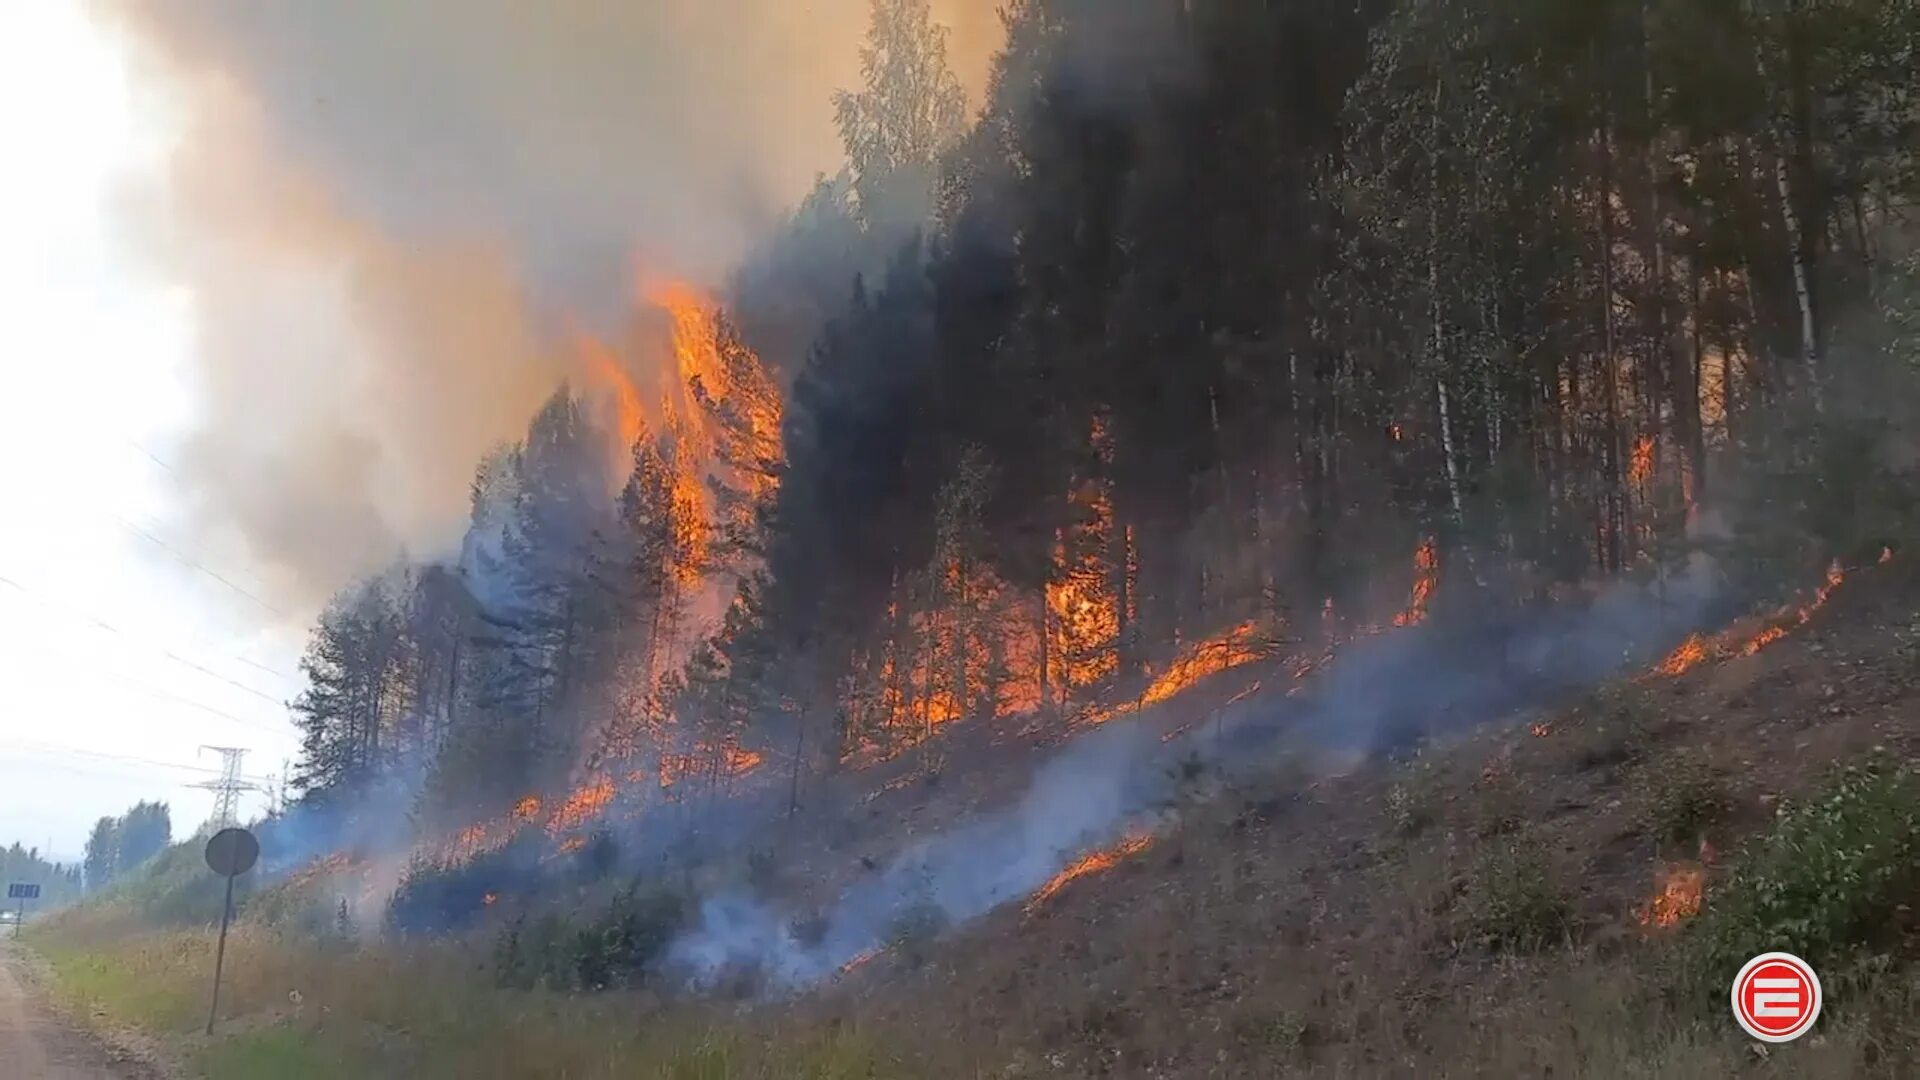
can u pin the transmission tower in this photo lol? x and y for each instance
(227, 789)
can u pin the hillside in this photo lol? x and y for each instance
(1536, 896)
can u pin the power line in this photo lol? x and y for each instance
(169, 654)
(190, 561)
(162, 695)
(151, 456)
(118, 759)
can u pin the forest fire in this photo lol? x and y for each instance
(1681, 891)
(585, 803)
(1094, 862)
(1688, 655)
(1426, 574)
(1238, 646)
(1640, 466)
(1835, 575)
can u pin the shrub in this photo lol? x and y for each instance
(1830, 873)
(1499, 807)
(911, 934)
(1684, 795)
(617, 946)
(1512, 902)
(1617, 724)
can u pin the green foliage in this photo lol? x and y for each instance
(1512, 900)
(615, 946)
(1614, 728)
(58, 882)
(1684, 796)
(1829, 880)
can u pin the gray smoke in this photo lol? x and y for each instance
(1379, 695)
(389, 214)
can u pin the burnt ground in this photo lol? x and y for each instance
(1326, 924)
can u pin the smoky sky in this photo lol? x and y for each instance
(386, 213)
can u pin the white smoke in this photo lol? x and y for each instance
(386, 213)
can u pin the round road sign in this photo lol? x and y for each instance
(232, 852)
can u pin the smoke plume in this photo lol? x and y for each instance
(387, 215)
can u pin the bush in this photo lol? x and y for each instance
(1684, 795)
(1830, 874)
(1512, 902)
(914, 930)
(615, 947)
(1617, 725)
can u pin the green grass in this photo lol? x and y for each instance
(421, 1011)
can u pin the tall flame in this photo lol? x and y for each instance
(1426, 574)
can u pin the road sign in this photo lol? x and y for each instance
(22, 890)
(1776, 997)
(232, 852)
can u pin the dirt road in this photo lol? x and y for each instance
(36, 1043)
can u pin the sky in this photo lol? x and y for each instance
(127, 640)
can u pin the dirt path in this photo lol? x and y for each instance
(36, 1043)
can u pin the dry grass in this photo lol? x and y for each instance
(291, 1010)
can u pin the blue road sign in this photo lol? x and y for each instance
(21, 890)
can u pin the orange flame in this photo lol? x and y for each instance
(1886, 555)
(489, 899)
(1683, 659)
(582, 805)
(1093, 862)
(858, 960)
(1640, 468)
(1680, 892)
(1426, 573)
(1540, 731)
(1240, 645)
(605, 373)
(1835, 575)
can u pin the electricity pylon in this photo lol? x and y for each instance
(227, 789)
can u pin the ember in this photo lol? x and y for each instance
(858, 961)
(489, 899)
(1093, 862)
(1540, 731)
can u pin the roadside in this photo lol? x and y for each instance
(38, 1043)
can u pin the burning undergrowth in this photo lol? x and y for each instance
(1100, 800)
(1104, 797)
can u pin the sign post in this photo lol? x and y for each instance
(230, 853)
(21, 891)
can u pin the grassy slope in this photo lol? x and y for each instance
(1472, 912)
